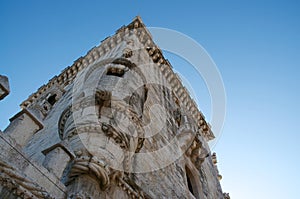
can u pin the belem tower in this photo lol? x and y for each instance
(118, 123)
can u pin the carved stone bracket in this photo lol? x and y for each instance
(197, 153)
(91, 166)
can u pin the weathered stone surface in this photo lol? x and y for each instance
(118, 123)
(23, 176)
(57, 158)
(22, 127)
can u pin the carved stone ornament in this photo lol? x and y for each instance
(91, 166)
(19, 184)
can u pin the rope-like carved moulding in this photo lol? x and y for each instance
(122, 139)
(131, 192)
(19, 184)
(105, 176)
(90, 166)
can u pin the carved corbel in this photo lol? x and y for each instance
(197, 153)
(90, 166)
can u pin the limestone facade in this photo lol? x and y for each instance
(118, 123)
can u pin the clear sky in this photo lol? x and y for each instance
(255, 45)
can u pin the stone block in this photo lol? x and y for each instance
(22, 127)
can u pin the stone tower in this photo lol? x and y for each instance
(118, 123)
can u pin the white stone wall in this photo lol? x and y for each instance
(113, 126)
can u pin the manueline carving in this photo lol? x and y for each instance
(20, 184)
(91, 166)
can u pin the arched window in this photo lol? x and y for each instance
(52, 99)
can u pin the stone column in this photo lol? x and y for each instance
(88, 175)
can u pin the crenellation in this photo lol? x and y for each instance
(84, 62)
(214, 160)
(171, 79)
(163, 69)
(95, 54)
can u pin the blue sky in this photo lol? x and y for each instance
(255, 45)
